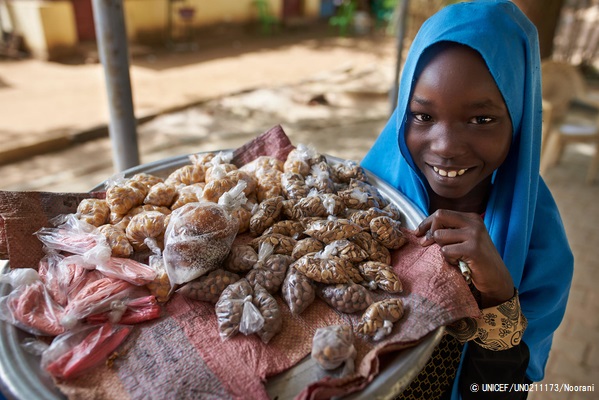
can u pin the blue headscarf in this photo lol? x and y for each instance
(521, 215)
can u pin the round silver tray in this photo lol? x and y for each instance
(22, 379)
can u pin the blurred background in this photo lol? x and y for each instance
(201, 75)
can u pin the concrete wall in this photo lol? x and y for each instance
(49, 28)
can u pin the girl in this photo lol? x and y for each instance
(464, 146)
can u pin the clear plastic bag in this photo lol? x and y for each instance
(76, 352)
(197, 240)
(31, 308)
(76, 237)
(334, 345)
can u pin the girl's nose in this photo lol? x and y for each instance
(447, 141)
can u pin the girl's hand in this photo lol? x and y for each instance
(464, 236)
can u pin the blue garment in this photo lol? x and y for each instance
(521, 215)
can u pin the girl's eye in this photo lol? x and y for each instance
(420, 117)
(480, 120)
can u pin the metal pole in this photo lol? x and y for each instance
(112, 48)
(402, 18)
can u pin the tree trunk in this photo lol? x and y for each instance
(545, 15)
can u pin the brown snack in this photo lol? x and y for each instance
(269, 272)
(347, 170)
(377, 321)
(241, 259)
(148, 180)
(375, 250)
(197, 240)
(381, 276)
(323, 269)
(269, 309)
(287, 209)
(229, 307)
(187, 175)
(293, 229)
(294, 186)
(218, 171)
(363, 217)
(320, 205)
(268, 184)
(209, 287)
(216, 188)
(333, 345)
(201, 158)
(387, 232)
(243, 216)
(188, 194)
(347, 298)
(320, 178)
(393, 211)
(160, 287)
(296, 166)
(117, 240)
(355, 198)
(250, 180)
(281, 244)
(347, 250)
(298, 291)
(146, 225)
(372, 191)
(332, 229)
(305, 246)
(268, 212)
(161, 194)
(263, 162)
(123, 197)
(93, 211)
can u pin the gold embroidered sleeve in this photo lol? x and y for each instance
(498, 328)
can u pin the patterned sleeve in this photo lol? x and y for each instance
(498, 328)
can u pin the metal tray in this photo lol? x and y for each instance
(22, 379)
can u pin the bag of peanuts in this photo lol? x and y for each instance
(334, 345)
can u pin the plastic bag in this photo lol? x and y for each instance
(75, 353)
(197, 240)
(76, 237)
(30, 308)
(378, 319)
(234, 306)
(94, 297)
(129, 311)
(334, 345)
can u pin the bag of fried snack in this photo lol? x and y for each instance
(294, 185)
(124, 194)
(270, 269)
(334, 345)
(378, 319)
(235, 311)
(199, 236)
(266, 214)
(300, 159)
(298, 291)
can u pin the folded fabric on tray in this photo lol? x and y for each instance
(182, 355)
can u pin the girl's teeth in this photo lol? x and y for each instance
(450, 174)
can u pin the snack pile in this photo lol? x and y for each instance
(237, 237)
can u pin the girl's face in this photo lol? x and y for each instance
(458, 128)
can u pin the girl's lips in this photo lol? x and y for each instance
(452, 173)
